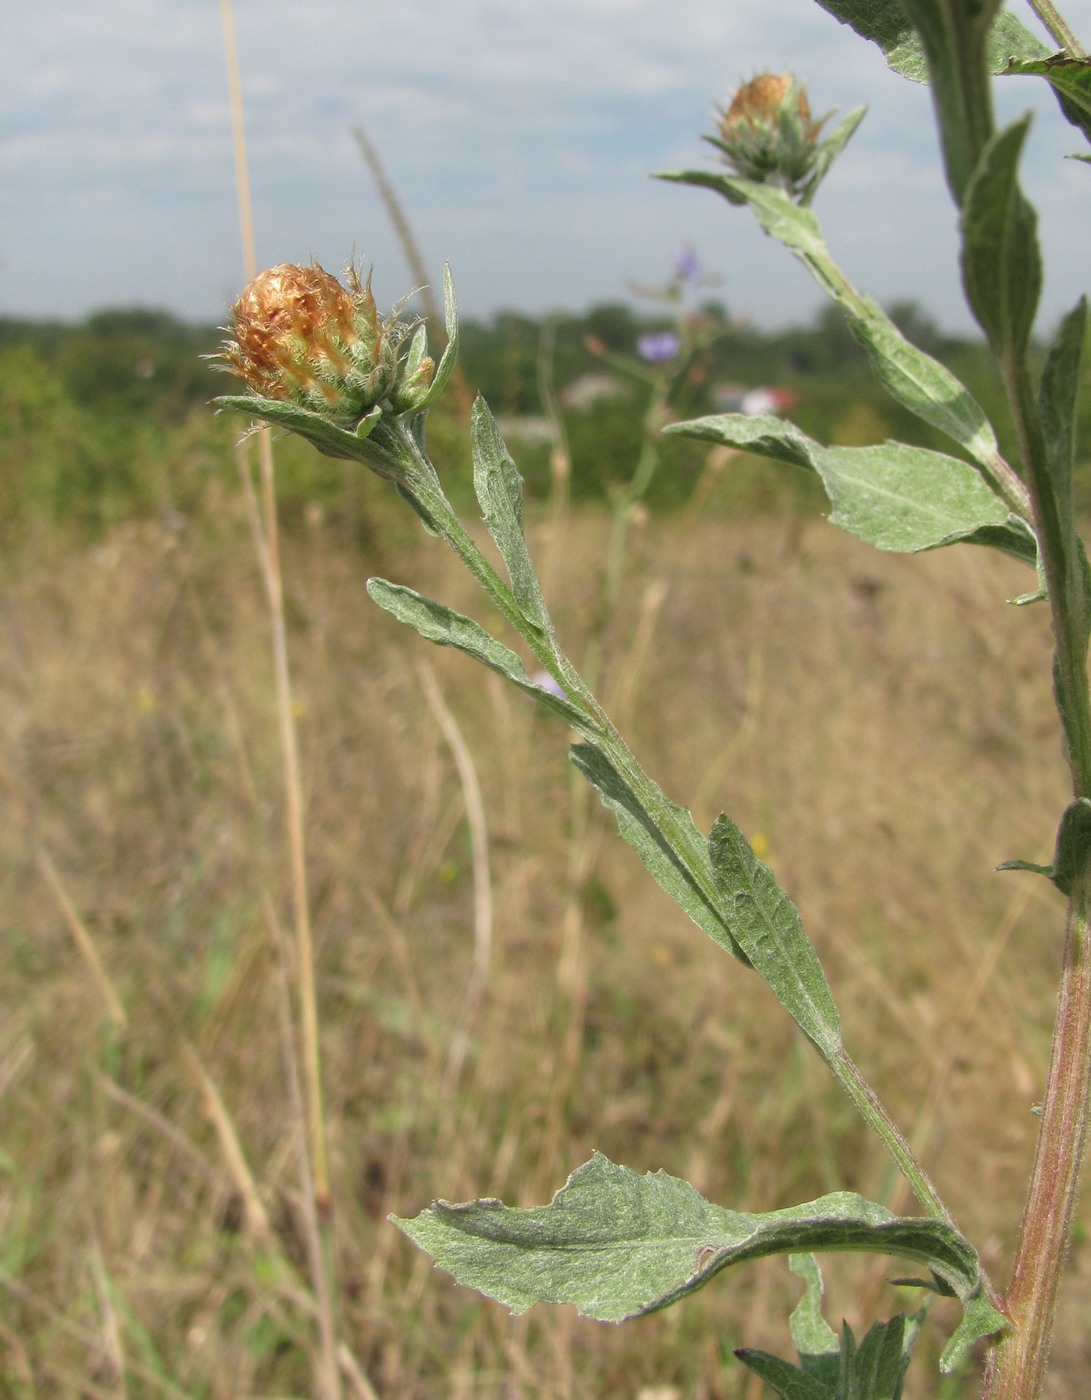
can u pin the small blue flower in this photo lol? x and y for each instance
(687, 268)
(658, 346)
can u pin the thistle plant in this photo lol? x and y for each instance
(319, 362)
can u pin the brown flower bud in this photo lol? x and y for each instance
(767, 133)
(301, 337)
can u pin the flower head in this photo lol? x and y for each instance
(767, 132)
(303, 338)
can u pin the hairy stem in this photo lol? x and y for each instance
(1017, 1365)
(1057, 25)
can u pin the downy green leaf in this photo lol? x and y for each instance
(347, 444)
(447, 628)
(917, 381)
(617, 1245)
(766, 925)
(499, 489)
(885, 23)
(893, 496)
(1001, 266)
(640, 830)
(1070, 79)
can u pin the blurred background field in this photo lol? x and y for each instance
(882, 729)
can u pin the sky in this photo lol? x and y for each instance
(520, 136)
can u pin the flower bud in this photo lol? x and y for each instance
(303, 338)
(767, 133)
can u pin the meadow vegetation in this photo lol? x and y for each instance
(883, 732)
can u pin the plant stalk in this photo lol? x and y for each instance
(425, 487)
(1016, 1367)
(1057, 25)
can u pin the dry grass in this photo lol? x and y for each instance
(884, 726)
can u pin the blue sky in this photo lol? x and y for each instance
(519, 135)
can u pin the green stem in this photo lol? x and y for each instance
(1017, 1365)
(1055, 22)
(1016, 1368)
(691, 851)
(1061, 562)
(866, 317)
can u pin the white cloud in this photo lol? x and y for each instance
(519, 136)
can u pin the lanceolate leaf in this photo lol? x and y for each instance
(331, 441)
(766, 924)
(790, 1382)
(617, 1245)
(639, 828)
(1001, 266)
(894, 496)
(451, 629)
(874, 1370)
(449, 358)
(499, 490)
(924, 386)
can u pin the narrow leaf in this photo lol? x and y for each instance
(661, 857)
(766, 924)
(449, 358)
(1001, 266)
(331, 441)
(1057, 405)
(789, 1382)
(829, 148)
(499, 489)
(618, 1245)
(882, 1360)
(893, 496)
(447, 628)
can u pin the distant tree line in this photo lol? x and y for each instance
(108, 417)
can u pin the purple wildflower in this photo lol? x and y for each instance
(687, 268)
(658, 346)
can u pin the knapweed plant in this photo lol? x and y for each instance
(320, 362)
